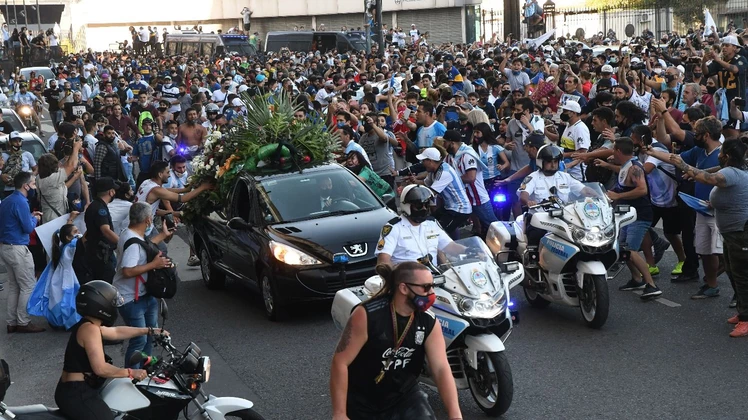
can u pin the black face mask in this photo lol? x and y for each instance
(711, 89)
(162, 109)
(368, 127)
(565, 117)
(505, 93)
(669, 78)
(697, 75)
(685, 126)
(630, 80)
(518, 115)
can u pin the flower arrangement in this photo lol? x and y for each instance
(268, 139)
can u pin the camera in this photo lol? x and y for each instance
(638, 66)
(740, 103)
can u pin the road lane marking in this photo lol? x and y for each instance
(663, 301)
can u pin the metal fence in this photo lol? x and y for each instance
(622, 18)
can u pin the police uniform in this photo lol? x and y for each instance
(538, 185)
(405, 242)
(99, 252)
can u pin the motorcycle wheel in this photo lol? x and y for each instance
(534, 299)
(247, 414)
(491, 385)
(594, 301)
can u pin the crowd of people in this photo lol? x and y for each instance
(651, 121)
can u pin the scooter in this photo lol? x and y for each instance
(570, 264)
(475, 312)
(172, 384)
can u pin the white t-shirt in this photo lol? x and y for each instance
(119, 210)
(142, 195)
(91, 149)
(133, 256)
(414, 35)
(575, 137)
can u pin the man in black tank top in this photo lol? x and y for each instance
(381, 352)
(631, 188)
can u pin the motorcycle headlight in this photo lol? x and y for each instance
(290, 255)
(610, 232)
(485, 307)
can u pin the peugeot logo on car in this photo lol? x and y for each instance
(356, 250)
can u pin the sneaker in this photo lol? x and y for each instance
(193, 261)
(651, 291)
(706, 292)
(741, 330)
(632, 285)
(733, 302)
(733, 320)
(683, 278)
(678, 270)
(654, 270)
(659, 249)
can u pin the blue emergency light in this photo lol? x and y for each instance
(499, 198)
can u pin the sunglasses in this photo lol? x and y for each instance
(426, 287)
(419, 206)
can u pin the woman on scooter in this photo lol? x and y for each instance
(86, 367)
(380, 355)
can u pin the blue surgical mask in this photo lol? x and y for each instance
(31, 193)
(515, 72)
(341, 124)
(149, 230)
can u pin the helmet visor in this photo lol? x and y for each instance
(417, 195)
(118, 301)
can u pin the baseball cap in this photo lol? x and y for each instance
(536, 139)
(467, 106)
(167, 77)
(460, 93)
(260, 78)
(730, 40)
(607, 69)
(451, 135)
(242, 88)
(329, 83)
(432, 153)
(106, 183)
(14, 135)
(237, 102)
(572, 106)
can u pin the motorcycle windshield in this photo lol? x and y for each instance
(472, 250)
(591, 206)
(471, 271)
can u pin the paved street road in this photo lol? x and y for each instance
(653, 360)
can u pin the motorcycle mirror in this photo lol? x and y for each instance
(163, 309)
(439, 280)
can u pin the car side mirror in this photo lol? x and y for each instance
(388, 198)
(163, 309)
(238, 223)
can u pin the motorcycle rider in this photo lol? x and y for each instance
(415, 236)
(538, 186)
(380, 355)
(86, 367)
(24, 97)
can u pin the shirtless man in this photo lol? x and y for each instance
(191, 133)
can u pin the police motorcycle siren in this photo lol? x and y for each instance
(474, 310)
(571, 262)
(173, 382)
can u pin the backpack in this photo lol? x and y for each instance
(13, 166)
(162, 282)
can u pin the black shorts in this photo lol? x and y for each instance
(413, 406)
(77, 400)
(670, 219)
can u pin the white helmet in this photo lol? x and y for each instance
(416, 194)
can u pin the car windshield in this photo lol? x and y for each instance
(14, 121)
(240, 48)
(47, 73)
(315, 195)
(358, 42)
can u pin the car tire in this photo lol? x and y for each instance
(274, 309)
(213, 278)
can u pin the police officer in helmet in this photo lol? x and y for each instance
(415, 236)
(85, 366)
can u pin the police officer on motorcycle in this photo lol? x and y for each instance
(545, 182)
(86, 366)
(380, 355)
(414, 236)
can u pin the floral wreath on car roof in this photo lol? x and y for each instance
(264, 141)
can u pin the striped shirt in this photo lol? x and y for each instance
(491, 159)
(464, 160)
(448, 184)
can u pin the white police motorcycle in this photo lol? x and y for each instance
(475, 313)
(570, 264)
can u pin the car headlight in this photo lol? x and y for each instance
(290, 255)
